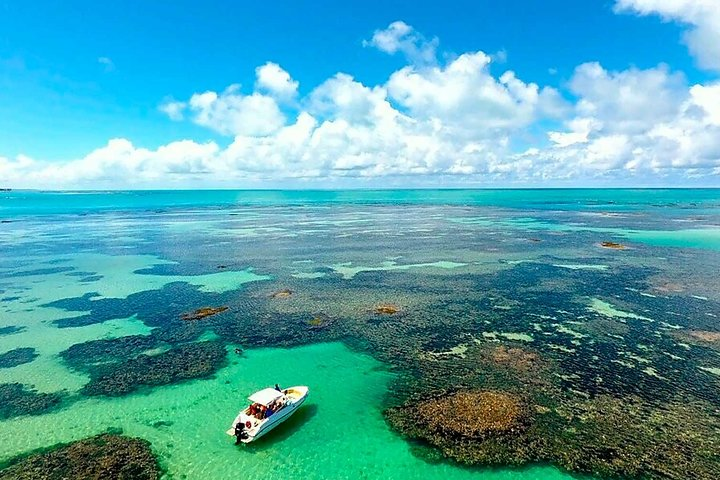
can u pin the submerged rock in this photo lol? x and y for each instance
(16, 357)
(16, 400)
(613, 245)
(102, 457)
(285, 293)
(203, 312)
(387, 309)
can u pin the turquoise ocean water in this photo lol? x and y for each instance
(33, 202)
(471, 271)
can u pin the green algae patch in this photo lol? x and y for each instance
(569, 331)
(608, 310)
(105, 456)
(18, 356)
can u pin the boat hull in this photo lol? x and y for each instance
(272, 423)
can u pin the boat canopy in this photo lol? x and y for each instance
(265, 396)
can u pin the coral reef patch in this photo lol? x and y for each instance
(183, 362)
(11, 329)
(475, 427)
(597, 437)
(106, 456)
(97, 355)
(16, 357)
(16, 400)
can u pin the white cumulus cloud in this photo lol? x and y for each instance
(233, 113)
(638, 122)
(702, 17)
(173, 109)
(275, 80)
(427, 123)
(401, 37)
(465, 95)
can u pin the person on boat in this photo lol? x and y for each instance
(269, 412)
(277, 387)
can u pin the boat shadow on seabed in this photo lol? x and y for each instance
(283, 431)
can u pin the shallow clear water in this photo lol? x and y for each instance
(108, 265)
(338, 433)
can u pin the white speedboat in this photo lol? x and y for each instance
(269, 408)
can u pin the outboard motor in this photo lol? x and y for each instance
(240, 433)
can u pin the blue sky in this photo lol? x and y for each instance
(75, 75)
